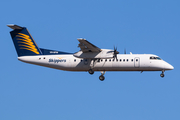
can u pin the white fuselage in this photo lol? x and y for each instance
(124, 62)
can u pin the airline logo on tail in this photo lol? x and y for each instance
(26, 43)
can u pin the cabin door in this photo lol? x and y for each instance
(136, 62)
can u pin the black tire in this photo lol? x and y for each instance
(91, 71)
(162, 75)
(101, 78)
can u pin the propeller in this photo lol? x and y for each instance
(115, 53)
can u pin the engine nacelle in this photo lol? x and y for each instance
(104, 54)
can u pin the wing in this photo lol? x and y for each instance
(87, 47)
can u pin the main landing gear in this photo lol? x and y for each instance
(101, 77)
(162, 74)
(91, 71)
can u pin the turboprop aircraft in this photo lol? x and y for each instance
(90, 58)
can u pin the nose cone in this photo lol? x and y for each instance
(167, 66)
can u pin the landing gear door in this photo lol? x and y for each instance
(136, 62)
(86, 63)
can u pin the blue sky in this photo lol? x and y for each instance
(32, 92)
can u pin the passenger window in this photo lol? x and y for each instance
(127, 60)
(124, 60)
(136, 60)
(74, 60)
(120, 60)
(101, 60)
(109, 60)
(105, 60)
(132, 60)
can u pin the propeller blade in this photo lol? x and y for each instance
(115, 53)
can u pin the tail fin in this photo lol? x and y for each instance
(23, 41)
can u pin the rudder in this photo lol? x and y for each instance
(23, 41)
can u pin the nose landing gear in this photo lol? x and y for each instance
(162, 74)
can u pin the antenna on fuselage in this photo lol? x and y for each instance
(125, 51)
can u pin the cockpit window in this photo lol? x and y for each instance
(158, 58)
(155, 58)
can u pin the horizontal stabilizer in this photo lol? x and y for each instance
(12, 26)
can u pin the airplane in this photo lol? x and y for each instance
(90, 58)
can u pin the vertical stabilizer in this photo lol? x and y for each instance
(23, 41)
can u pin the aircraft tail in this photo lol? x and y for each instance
(23, 41)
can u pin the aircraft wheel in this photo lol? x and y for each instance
(91, 71)
(101, 78)
(162, 75)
